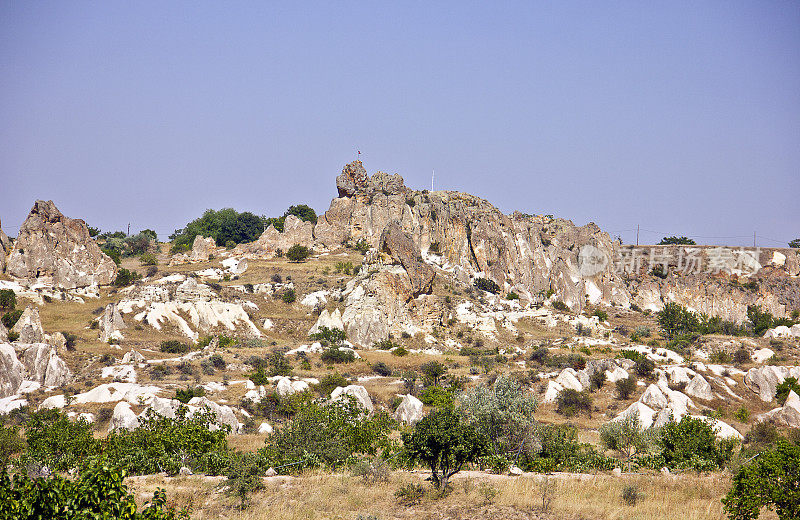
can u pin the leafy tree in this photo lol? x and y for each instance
(691, 443)
(11, 443)
(761, 320)
(674, 240)
(644, 367)
(333, 336)
(126, 277)
(244, 475)
(433, 372)
(298, 253)
(625, 387)
(445, 444)
(56, 441)
(795, 243)
(771, 480)
(149, 232)
(223, 225)
(627, 437)
(93, 231)
(98, 493)
(782, 390)
(504, 412)
(676, 321)
(301, 211)
(11, 318)
(326, 434)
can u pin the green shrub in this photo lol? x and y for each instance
(298, 253)
(410, 494)
(512, 296)
(361, 246)
(173, 346)
(326, 434)
(11, 443)
(223, 225)
(556, 448)
(782, 390)
(692, 444)
(289, 296)
(11, 318)
(741, 356)
(278, 365)
(675, 320)
(597, 380)
(217, 362)
(112, 254)
(485, 284)
(382, 369)
(560, 306)
(400, 352)
(675, 240)
(385, 344)
(259, 377)
(571, 402)
(742, 414)
(148, 259)
(627, 437)
(771, 480)
(57, 442)
(185, 396)
(126, 277)
(445, 444)
(433, 372)
(301, 211)
(244, 474)
(329, 382)
(436, 397)
(601, 314)
(98, 492)
(333, 336)
(8, 300)
(334, 354)
(625, 387)
(631, 495)
(644, 367)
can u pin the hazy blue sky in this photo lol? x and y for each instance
(683, 117)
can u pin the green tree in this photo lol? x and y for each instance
(433, 372)
(782, 390)
(627, 437)
(674, 240)
(298, 253)
(771, 480)
(445, 444)
(760, 320)
(795, 243)
(8, 300)
(676, 321)
(691, 443)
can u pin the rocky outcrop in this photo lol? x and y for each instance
(201, 249)
(58, 250)
(786, 415)
(123, 418)
(764, 380)
(357, 392)
(533, 255)
(38, 365)
(29, 326)
(5, 248)
(295, 231)
(396, 243)
(12, 371)
(111, 324)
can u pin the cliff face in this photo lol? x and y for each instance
(536, 255)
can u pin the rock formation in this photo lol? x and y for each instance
(58, 250)
(295, 231)
(5, 248)
(399, 246)
(29, 326)
(201, 249)
(111, 324)
(38, 363)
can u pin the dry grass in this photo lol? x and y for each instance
(474, 495)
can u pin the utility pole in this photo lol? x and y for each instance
(129, 229)
(754, 239)
(637, 234)
(433, 176)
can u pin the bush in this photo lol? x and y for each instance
(11, 318)
(185, 396)
(174, 346)
(217, 362)
(385, 344)
(601, 314)
(148, 259)
(445, 444)
(57, 442)
(675, 320)
(485, 284)
(771, 480)
(8, 299)
(625, 387)
(560, 306)
(436, 397)
(627, 437)
(597, 380)
(125, 277)
(301, 211)
(244, 474)
(298, 253)
(289, 296)
(631, 495)
(571, 402)
(741, 356)
(512, 296)
(382, 369)
(334, 354)
(99, 492)
(326, 434)
(330, 382)
(557, 449)
(410, 494)
(644, 367)
(692, 444)
(400, 352)
(11, 443)
(333, 336)
(782, 390)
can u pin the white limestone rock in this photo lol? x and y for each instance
(409, 411)
(358, 392)
(700, 388)
(123, 418)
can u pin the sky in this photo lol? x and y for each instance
(680, 117)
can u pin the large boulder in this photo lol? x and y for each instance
(654, 397)
(398, 245)
(201, 249)
(356, 391)
(58, 250)
(123, 418)
(764, 380)
(409, 411)
(29, 326)
(700, 388)
(111, 324)
(43, 365)
(786, 415)
(12, 371)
